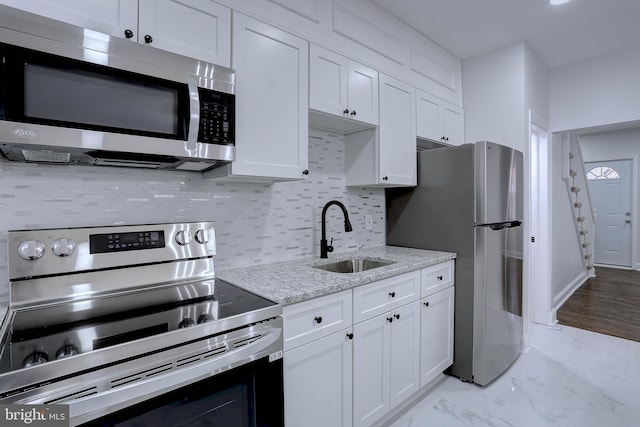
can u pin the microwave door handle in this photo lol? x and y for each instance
(194, 114)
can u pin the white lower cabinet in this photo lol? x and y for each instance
(436, 334)
(385, 362)
(353, 357)
(318, 350)
(317, 382)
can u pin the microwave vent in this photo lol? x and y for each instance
(46, 156)
(194, 166)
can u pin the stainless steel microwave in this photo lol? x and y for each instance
(70, 95)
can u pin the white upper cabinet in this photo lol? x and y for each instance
(200, 29)
(439, 120)
(385, 157)
(272, 103)
(342, 88)
(397, 153)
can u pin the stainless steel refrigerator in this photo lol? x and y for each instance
(469, 200)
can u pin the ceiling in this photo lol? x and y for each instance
(560, 35)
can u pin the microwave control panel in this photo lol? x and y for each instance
(217, 114)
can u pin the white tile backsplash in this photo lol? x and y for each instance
(255, 223)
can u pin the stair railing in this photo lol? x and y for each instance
(580, 199)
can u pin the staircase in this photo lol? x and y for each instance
(581, 201)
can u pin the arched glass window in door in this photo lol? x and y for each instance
(602, 172)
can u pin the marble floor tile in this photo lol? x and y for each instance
(568, 378)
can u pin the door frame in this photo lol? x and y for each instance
(635, 199)
(537, 270)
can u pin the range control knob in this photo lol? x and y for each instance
(63, 247)
(67, 351)
(34, 359)
(203, 318)
(183, 237)
(186, 322)
(202, 236)
(31, 250)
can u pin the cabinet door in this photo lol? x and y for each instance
(428, 116)
(317, 382)
(452, 124)
(436, 334)
(327, 81)
(363, 93)
(200, 29)
(397, 139)
(272, 100)
(371, 370)
(107, 16)
(405, 352)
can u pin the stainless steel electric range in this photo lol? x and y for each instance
(128, 325)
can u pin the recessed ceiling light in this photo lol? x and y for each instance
(558, 2)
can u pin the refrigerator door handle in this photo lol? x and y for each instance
(496, 226)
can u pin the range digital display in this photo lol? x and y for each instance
(119, 242)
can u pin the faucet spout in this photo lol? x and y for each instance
(324, 247)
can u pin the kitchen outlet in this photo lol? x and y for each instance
(368, 222)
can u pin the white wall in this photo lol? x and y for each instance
(493, 88)
(621, 144)
(255, 223)
(536, 81)
(596, 92)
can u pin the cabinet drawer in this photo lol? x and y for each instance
(378, 297)
(437, 278)
(316, 318)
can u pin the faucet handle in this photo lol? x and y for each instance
(330, 246)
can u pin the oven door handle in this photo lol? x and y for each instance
(94, 406)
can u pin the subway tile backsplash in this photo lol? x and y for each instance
(255, 223)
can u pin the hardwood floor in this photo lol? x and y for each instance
(608, 303)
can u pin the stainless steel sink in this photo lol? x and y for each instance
(353, 265)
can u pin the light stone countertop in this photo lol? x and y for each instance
(294, 281)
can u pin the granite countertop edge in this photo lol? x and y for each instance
(289, 282)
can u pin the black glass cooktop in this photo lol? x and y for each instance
(43, 335)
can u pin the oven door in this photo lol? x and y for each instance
(231, 379)
(250, 395)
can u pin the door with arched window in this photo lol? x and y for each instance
(610, 190)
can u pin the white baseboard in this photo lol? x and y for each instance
(567, 291)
